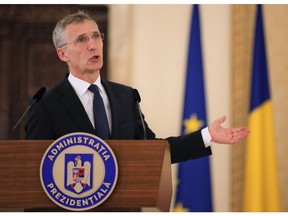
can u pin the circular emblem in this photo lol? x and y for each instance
(78, 171)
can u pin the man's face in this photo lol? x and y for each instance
(83, 50)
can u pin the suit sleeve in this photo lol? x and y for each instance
(187, 147)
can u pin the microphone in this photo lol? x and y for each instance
(37, 97)
(137, 100)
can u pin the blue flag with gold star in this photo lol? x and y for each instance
(194, 186)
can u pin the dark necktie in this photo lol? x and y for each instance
(100, 118)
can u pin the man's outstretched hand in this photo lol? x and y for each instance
(223, 135)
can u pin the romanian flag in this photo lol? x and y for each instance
(261, 191)
(194, 186)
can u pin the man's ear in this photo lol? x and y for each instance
(62, 55)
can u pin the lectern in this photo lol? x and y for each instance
(144, 176)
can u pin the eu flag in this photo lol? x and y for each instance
(261, 189)
(194, 186)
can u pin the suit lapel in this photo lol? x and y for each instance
(73, 105)
(114, 101)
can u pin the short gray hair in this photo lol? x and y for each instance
(59, 30)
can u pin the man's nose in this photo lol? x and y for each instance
(92, 44)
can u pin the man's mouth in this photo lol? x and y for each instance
(95, 57)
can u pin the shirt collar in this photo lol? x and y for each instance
(99, 84)
(81, 86)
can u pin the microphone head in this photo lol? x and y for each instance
(136, 95)
(39, 94)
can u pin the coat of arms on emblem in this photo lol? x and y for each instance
(78, 176)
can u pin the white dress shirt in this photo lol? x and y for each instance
(86, 98)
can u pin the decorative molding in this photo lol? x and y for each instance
(242, 37)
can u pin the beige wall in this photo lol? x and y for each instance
(149, 52)
(276, 17)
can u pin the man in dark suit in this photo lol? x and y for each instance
(68, 107)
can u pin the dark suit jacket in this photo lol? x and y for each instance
(60, 112)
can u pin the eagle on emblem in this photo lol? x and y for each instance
(78, 176)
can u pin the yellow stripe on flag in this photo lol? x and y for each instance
(261, 192)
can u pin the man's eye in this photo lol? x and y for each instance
(82, 40)
(96, 36)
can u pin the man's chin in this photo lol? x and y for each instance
(96, 67)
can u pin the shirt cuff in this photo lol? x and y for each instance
(207, 139)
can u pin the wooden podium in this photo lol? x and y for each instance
(144, 176)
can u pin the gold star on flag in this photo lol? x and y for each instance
(192, 124)
(179, 208)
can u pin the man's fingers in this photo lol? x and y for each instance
(239, 133)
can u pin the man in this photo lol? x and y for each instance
(68, 107)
